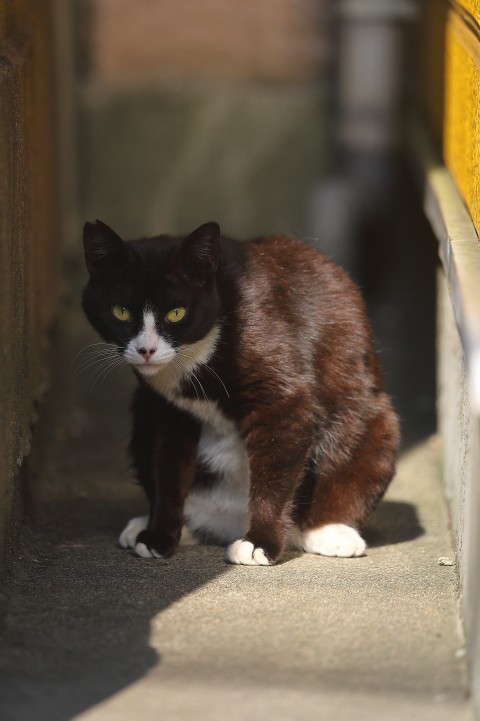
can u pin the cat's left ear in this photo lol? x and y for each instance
(103, 247)
(199, 251)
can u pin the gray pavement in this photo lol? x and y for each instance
(96, 634)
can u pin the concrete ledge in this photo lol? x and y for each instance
(458, 377)
(459, 251)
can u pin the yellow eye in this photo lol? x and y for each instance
(121, 313)
(176, 314)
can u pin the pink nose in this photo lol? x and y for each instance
(147, 354)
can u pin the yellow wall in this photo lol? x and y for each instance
(450, 45)
(461, 119)
(471, 6)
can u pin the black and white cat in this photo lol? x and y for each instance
(260, 418)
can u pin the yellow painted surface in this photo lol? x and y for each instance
(450, 90)
(461, 132)
(461, 138)
(471, 6)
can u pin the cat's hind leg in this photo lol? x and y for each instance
(341, 500)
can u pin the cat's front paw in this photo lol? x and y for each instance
(129, 534)
(244, 553)
(152, 545)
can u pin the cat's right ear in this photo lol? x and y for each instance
(103, 247)
(198, 254)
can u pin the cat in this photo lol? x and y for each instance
(260, 419)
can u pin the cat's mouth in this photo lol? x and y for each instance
(148, 369)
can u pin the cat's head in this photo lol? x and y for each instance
(154, 296)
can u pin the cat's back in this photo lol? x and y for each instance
(282, 263)
(302, 325)
(298, 284)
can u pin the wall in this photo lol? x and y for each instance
(28, 234)
(449, 55)
(459, 430)
(454, 415)
(220, 116)
(222, 39)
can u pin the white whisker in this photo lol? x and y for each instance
(93, 361)
(101, 373)
(189, 354)
(186, 374)
(207, 367)
(190, 375)
(106, 346)
(99, 359)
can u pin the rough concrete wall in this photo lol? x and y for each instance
(471, 562)
(460, 435)
(453, 413)
(170, 159)
(28, 254)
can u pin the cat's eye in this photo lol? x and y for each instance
(121, 313)
(176, 314)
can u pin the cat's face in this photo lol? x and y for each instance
(153, 297)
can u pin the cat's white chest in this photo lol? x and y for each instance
(222, 510)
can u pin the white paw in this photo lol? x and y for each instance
(129, 534)
(143, 552)
(334, 539)
(244, 553)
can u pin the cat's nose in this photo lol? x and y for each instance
(147, 354)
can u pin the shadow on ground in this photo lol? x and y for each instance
(392, 522)
(81, 621)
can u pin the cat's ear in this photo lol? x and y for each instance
(103, 247)
(198, 253)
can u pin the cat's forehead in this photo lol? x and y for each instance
(151, 278)
(153, 291)
(149, 288)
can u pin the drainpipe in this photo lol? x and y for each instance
(369, 89)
